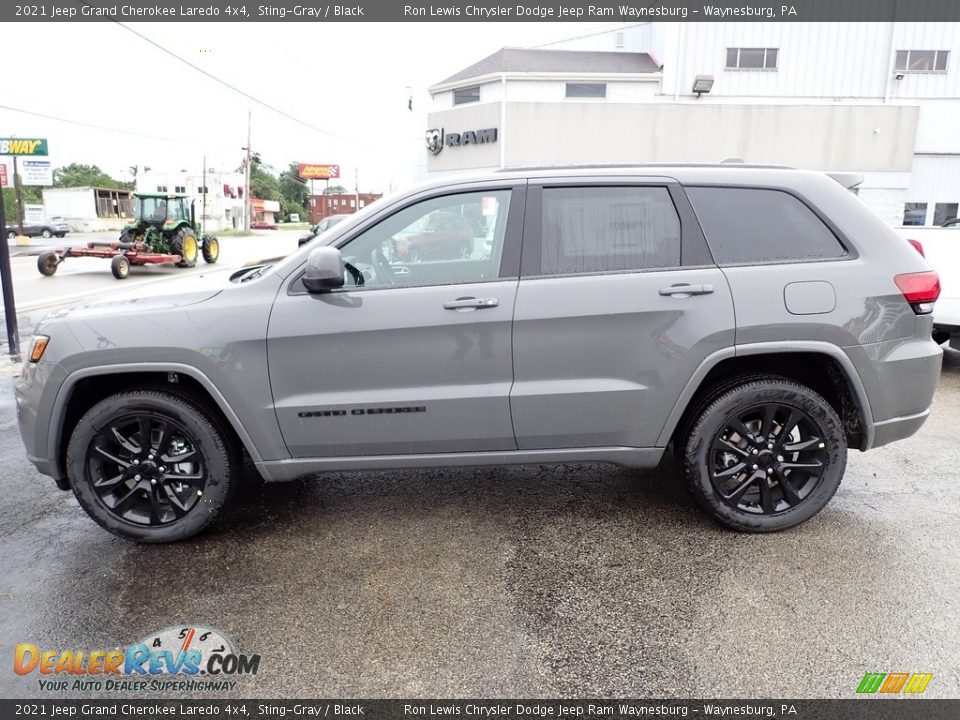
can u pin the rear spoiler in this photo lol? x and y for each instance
(848, 180)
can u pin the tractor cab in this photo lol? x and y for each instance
(161, 210)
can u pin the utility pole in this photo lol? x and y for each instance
(203, 218)
(246, 180)
(6, 284)
(19, 196)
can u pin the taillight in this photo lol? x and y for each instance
(918, 246)
(920, 289)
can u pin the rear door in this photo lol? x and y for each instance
(618, 304)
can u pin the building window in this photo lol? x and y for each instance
(921, 61)
(915, 213)
(161, 188)
(752, 58)
(466, 95)
(202, 190)
(943, 212)
(586, 90)
(182, 189)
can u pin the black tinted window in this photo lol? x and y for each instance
(745, 225)
(593, 229)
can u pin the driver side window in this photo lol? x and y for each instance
(441, 241)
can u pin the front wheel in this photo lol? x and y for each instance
(46, 234)
(765, 455)
(150, 466)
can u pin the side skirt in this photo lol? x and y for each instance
(279, 470)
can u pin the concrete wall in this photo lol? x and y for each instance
(857, 138)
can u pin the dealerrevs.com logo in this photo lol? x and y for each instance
(191, 658)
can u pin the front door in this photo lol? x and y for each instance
(414, 354)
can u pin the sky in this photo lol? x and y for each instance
(349, 80)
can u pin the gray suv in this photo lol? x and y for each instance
(760, 321)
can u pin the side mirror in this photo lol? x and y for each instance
(324, 270)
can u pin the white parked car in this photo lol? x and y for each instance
(941, 247)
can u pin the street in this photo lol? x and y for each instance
(578, 580)
(80, 277)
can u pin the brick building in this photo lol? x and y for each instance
(322, 206)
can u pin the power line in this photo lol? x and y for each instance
(235, 89)
(105, 128)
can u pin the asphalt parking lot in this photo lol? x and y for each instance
(525, 582)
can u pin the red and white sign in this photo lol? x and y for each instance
(3, 176)
(318, 172)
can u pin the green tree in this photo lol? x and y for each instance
(334, 189)
(31, 196)
(263, 184)
(81, 175)
(296, 192)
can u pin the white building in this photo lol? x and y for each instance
(224, 194)
(877, 99)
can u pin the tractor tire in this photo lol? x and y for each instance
(211, 249)
(47, 263)
(120, 267)
(184, 244)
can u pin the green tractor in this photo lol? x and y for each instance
(167, 225)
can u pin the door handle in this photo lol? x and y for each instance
(683, 290)
(471, 303)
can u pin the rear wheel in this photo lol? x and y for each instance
(765, 455)
(120, 267)
(211, 249)
(150, 466)
(184, 244)
(47, 263)
(11, 235)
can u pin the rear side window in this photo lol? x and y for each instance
(751, 225)
(596, 229)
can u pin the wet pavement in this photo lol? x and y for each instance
(535, 581)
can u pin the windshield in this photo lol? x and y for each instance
(152, 209)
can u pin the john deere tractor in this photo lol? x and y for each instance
(167, 225)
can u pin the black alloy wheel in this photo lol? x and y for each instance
(152, 465)
(767, 458)
(146, 469)
(763, 453)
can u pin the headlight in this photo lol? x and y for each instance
(38, 347)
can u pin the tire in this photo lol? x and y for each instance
(167, 510)
(46, 234)
(120, 267)
(779, 470)
(184, 244)
(11, 235)
(47, 263)
(211, 249)
(61, 235)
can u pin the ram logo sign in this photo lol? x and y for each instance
(436, 138)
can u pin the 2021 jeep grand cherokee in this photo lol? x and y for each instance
(762, 320)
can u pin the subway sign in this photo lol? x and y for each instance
(23, 146)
